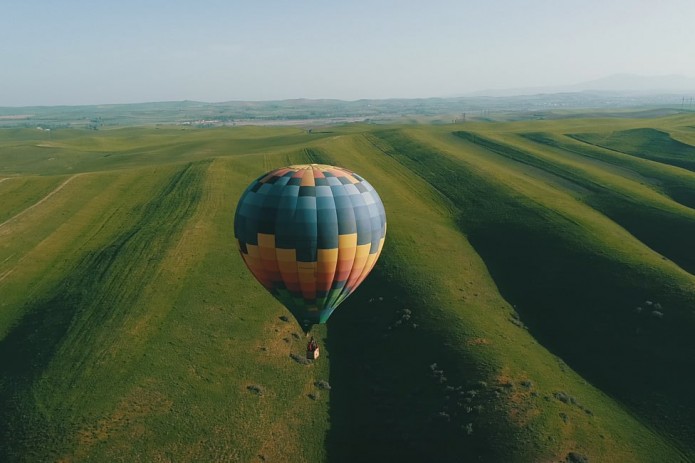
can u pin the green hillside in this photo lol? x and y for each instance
(646, 143)
(535, 299)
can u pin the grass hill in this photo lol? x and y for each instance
(535, 299)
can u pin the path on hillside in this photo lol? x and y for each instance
(39, 202)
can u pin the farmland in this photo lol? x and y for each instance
(535, 299)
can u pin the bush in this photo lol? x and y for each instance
(256, 389)
(574, 457)
(300, 359)
(323, 385)
(563, 397)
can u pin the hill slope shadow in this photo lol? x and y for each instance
(577, 295)
(24, 355)
(388, 403)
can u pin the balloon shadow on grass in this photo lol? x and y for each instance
(25, 353)
(387, 402)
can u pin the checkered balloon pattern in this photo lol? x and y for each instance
(310, 234)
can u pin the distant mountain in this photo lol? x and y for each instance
(661, 93)
(617, 83)
(638, 83)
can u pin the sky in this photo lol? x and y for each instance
(69, 52)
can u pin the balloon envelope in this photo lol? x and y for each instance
(310, 234)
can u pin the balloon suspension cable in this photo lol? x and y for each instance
(306, 327)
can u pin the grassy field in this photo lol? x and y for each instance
(535, 299)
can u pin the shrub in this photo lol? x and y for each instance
(323, 385)
(256, 389)
(562, 397)
(574, 457)
(300, 359)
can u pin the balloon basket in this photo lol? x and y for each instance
(312, 354)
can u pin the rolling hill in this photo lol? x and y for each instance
(535, 299)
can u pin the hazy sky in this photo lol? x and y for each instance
(88, 52)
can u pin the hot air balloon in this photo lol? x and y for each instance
(310, 234)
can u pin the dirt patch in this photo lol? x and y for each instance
(520, 402)
(478, 342)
